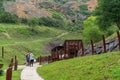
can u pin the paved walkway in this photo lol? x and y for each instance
(29, 73)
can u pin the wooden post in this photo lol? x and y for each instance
(52, 57)
(118, 34)
(40, 60)
(9, 73)
(10, 65)
(104, 44)
(57, 55)
(15, 58)
(48, 59)
(82, 46)
(92, 47)
(75, 54)
(15, 64)
(65, 51)
(12, 60)
(2, 52)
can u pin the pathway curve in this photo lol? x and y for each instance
(30, 73)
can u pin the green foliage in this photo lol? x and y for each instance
(75, 27)
(1, 72)
(116, 73)
(18, 39)
(56, 21)
(6, 17)
(24, 21)
(60, 2)
(92, 32)
(108, 13)
(84, 10)
(24, 31)
(33, 22)
(2, 30)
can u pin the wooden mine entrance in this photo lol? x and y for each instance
(72, 47)
(68, 50)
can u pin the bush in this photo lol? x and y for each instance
(6, 17)
(56, 21)
(77, 26)
(84, 10)
(1, 72)
(33, 22)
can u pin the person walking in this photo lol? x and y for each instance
(31, 59)
(27, 59)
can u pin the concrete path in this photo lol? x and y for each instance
(30, 73)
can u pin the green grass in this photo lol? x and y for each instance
(15, 75)
(97, 67)
(19, 39)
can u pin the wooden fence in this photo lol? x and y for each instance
(14, 63)
(62, 54)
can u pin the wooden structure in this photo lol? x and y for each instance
(9, 73)
(2, 52)
(68, 50)
(72, 47)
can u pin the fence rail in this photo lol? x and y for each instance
(65, 54)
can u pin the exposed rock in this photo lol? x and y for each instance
(111, 45)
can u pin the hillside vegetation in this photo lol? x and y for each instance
(98, 67)
(19, 39)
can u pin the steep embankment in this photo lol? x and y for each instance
(97, 67)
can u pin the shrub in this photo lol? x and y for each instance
(33, 22)
(1, 72)
(84, 10)
(6, 17)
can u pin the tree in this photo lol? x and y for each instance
(108, 12)
(91, 30)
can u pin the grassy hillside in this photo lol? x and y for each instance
(19, 39)
(97, 67)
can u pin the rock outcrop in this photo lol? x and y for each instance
(111, 45)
